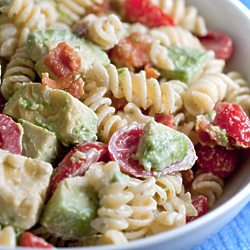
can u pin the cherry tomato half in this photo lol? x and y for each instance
(219, 42)
(10, 135)
(123, 145)
(200, 204)
(148, 14)
(74, 165)
(30, 240)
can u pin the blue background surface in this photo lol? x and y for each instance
(236, 234)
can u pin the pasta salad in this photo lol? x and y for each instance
(118, 120)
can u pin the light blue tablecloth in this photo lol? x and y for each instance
(236, 234)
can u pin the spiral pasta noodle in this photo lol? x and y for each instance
(108, 123)
(8, 236)
(25, 13)
(213, 65)
(72, 10)
(239, 95)
(187, 17)
(9, 37)
(113, 208)
(203, 93)
(208, 185)
(106, 31)
(165, 98)
(143, 206)
(20, 68)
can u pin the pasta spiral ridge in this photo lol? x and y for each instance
(204, 93)
(8, 237)
(9, 37)
(25, 13)
(208, 185)
(20, 68)
(143, 206)
(241, 95)
(165, 98)
(108, 123)
(113, 198)
(105, 31)
(72, 10)
(186, 16)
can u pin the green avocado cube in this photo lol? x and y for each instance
(56, 110)
(39, 143)
(160, 146)
(41, 42)
(71, 209)
(188, 64)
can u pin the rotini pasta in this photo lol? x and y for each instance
(208, 185)
(203, 93)
(19, 70)
(187, 17)
(8, 237)
(106, 31)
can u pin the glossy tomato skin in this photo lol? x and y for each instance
(30, 240)
(219, 42)
(123, 146)
(200, 204)
(146, 13)
(232, 118)
(167, 120)
(94, 152)
(218, 160)
(10, 135)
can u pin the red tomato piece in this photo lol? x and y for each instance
(30, 240)
(219, 42)
(167, 120)
(133, 49)
(218, 160)
(232, 118)
(200, 204)
(10, 135)
(123, 145)
(71, 167)
(148, 14)
(62, 60)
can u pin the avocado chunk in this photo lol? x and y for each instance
(23, 187)
(56, 110)
(38, 142)
(160, 146)
(188, 64)
(71, 209)
(41, 42)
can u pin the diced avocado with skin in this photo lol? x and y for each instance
(160, 146)
(56, 110)
(23, 187)
(38, 142)
(70, 210)
(41, 42)
(188, 64)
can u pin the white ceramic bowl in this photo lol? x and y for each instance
(233, 18)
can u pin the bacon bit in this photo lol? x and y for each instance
(118, 103)
(98, 9)
(62, 60)
(187, 177)
(71, 83)
(151, 72)
(80, 29)
(133, 49)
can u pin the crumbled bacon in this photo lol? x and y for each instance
(187, 177)
(133, 49)
(72, 83)
(62, 60)
(98, 9)
(150, 71)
